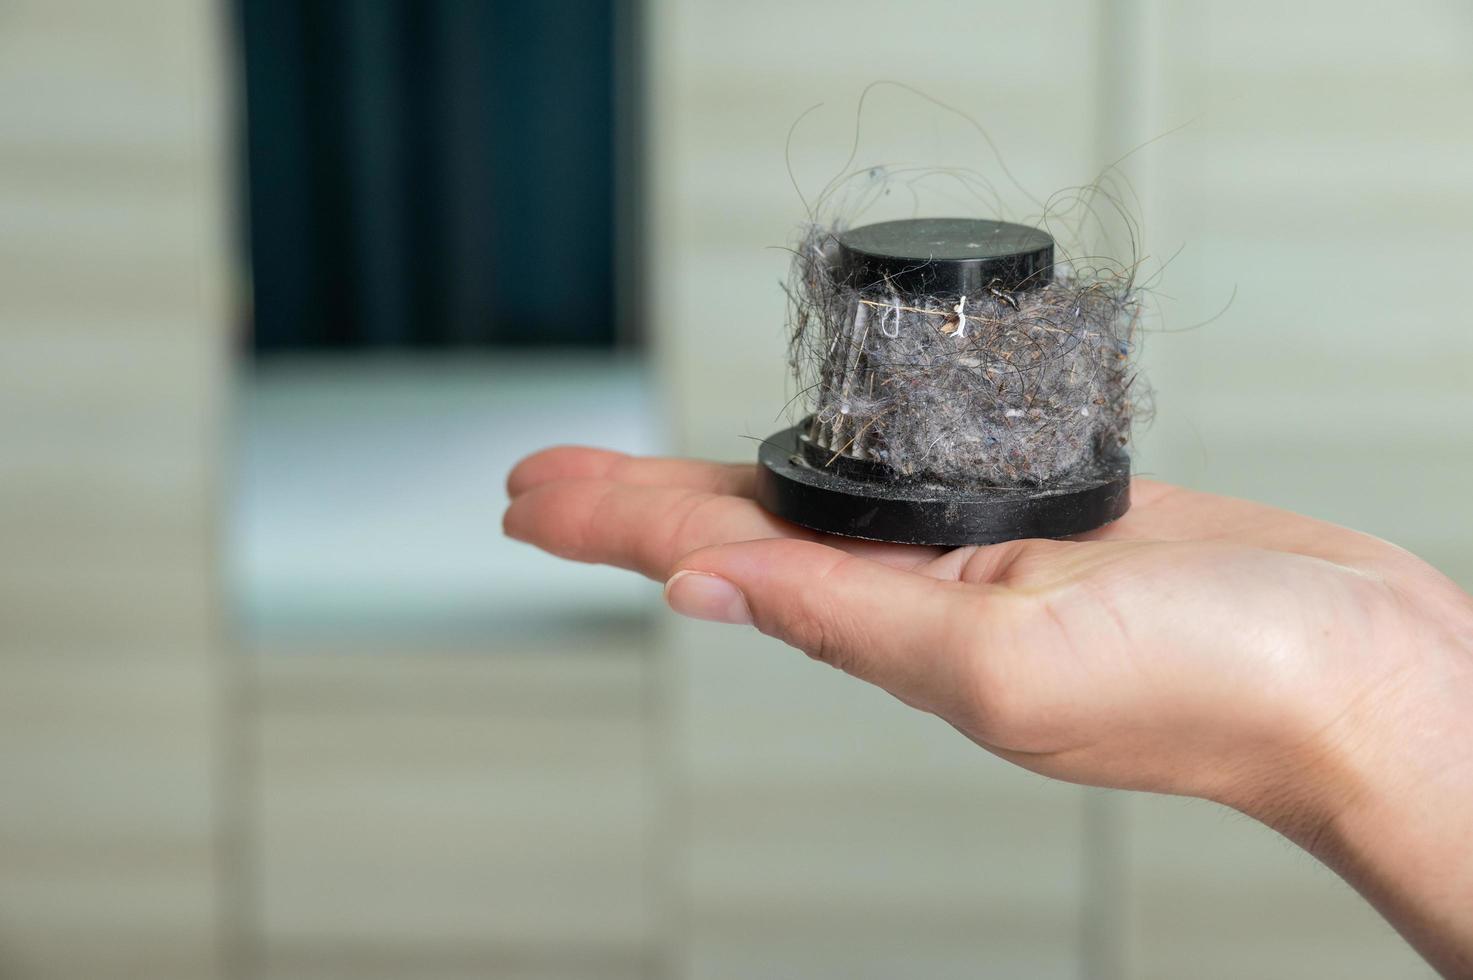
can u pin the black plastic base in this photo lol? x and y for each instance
(791, 487)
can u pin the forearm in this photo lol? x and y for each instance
(1394, 814)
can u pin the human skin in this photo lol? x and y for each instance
(1315, 678)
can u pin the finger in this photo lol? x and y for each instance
(582, 462)
(902, 630)
(1162, 512)
(647, 528)
(1145, 492)
(642, 528)
(1144, 519)
(995, 564)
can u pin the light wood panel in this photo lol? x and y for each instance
(1320, 188)
(112, 312)
(452, 815)
(830, 831)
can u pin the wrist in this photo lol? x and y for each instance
(1383, 798)
(1386, 754)
(1380, 722)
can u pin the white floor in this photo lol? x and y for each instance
(367, 497)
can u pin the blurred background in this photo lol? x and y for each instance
(285, 288)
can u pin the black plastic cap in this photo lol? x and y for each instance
(946, 256)
(860, 503)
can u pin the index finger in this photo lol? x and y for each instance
(586, 462)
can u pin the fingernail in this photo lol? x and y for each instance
(509, 527)
(701, 595)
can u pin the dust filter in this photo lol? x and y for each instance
(962, 386)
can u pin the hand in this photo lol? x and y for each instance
(1308, 675)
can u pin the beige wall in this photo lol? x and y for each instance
(1323, 174)
(112, 322)
(705, 803)
(1324, 177)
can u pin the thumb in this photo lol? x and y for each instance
(902, 630)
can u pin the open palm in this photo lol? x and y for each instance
(1199, 645)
